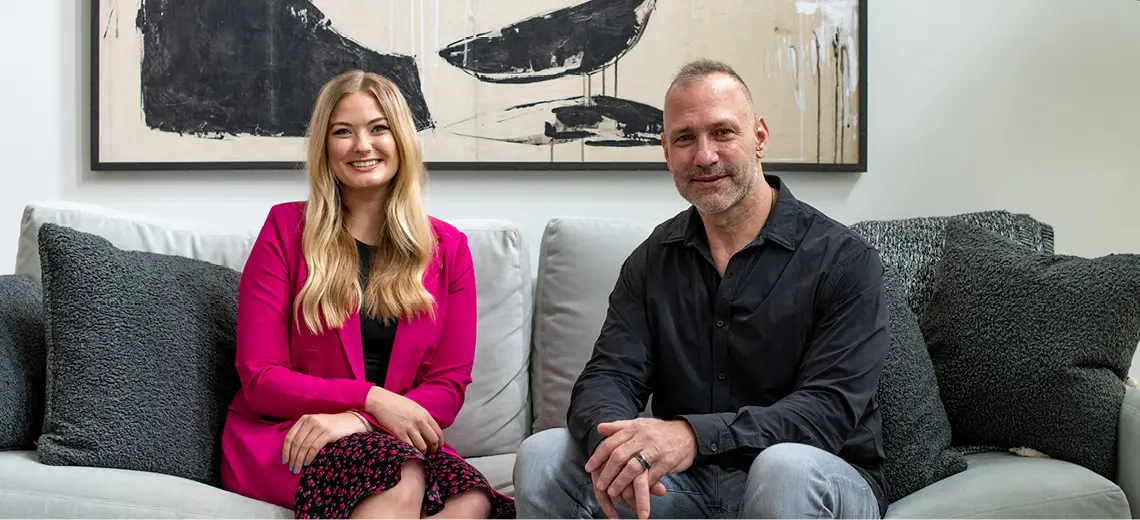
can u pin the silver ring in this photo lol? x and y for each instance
(644, 463)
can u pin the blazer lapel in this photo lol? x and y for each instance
(352, 343)
(401, 372)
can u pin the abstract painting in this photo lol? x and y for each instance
(493, 84)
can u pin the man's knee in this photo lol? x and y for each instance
(791, 480)
(549, 468)
(789, 460)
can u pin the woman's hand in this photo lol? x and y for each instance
(312, 432)
(405, 418)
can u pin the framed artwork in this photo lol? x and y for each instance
(493, 84)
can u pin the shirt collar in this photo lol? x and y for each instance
(781, 226)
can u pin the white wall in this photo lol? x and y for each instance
(1027, 105)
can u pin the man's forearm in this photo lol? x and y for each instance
(596, 401)
(751, 429)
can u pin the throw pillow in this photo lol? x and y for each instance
(1032, 349)
(140, 363)
(913, 246)
(21, 362)
(916, 430)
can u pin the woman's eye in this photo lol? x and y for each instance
(379, 128)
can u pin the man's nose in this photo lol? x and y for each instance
(706, 153)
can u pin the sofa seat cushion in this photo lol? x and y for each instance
(499, 470)
(29, 489)
(1002, 485)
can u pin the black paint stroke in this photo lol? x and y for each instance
(601, 121)
(218, 67)
(580, 39)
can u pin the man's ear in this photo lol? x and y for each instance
(665, 146)
(761, 138)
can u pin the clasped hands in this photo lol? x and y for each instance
(403, 417)
(618, 473)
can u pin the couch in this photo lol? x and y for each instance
(535, 333)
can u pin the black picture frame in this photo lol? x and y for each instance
(99, 163)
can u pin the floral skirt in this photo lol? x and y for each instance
(360, 465)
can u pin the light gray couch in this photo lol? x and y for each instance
(535, 334)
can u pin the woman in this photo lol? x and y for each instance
(356, 331)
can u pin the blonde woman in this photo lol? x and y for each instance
(356, 331)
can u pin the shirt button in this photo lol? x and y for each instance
(720, 375)
(729, 275)
(719, 323)
(712, 446)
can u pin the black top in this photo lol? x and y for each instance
(376, 335)
(786, 347)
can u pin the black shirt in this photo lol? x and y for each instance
(787, 346)
(376, 335)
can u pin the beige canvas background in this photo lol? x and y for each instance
(807, 93)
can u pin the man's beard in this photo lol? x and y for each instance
(738, 182)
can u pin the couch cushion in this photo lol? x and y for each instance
(1032, 349)
(578, 265)
(23, 358)
(501, 380)
(140, 357)
(499, 470)
(218, 245)
(29, 489)
(1001, 485)
(496, 413)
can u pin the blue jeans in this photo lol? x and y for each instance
(785, 481)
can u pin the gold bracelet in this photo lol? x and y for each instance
(367, 425)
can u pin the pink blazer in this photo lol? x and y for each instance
(286, 372)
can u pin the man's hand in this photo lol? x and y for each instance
(668, 447)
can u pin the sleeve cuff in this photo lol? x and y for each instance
(712, 433)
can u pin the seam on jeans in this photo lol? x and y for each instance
(831, 477)
(580, 499)
(856, 483)
(826, 480)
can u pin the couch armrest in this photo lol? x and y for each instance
(1128, 449)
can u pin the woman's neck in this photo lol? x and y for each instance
(364, 216)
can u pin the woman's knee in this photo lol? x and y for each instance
(410, 487)
(473, 503)
(413, 479)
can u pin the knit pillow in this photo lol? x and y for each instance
(1032, 349)
(21, 362)
(916, 431)
(913, 246)
(140, 363)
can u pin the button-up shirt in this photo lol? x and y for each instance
(786, 346)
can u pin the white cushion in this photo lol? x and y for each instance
(578, 264)
(29, 489)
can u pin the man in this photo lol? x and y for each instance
(759, 326)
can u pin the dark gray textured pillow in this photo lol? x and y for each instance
(21, 362)
(914, 245)
(916, 431)
(140, 363)
(1032, 349)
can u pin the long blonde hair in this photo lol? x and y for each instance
(406, 242)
